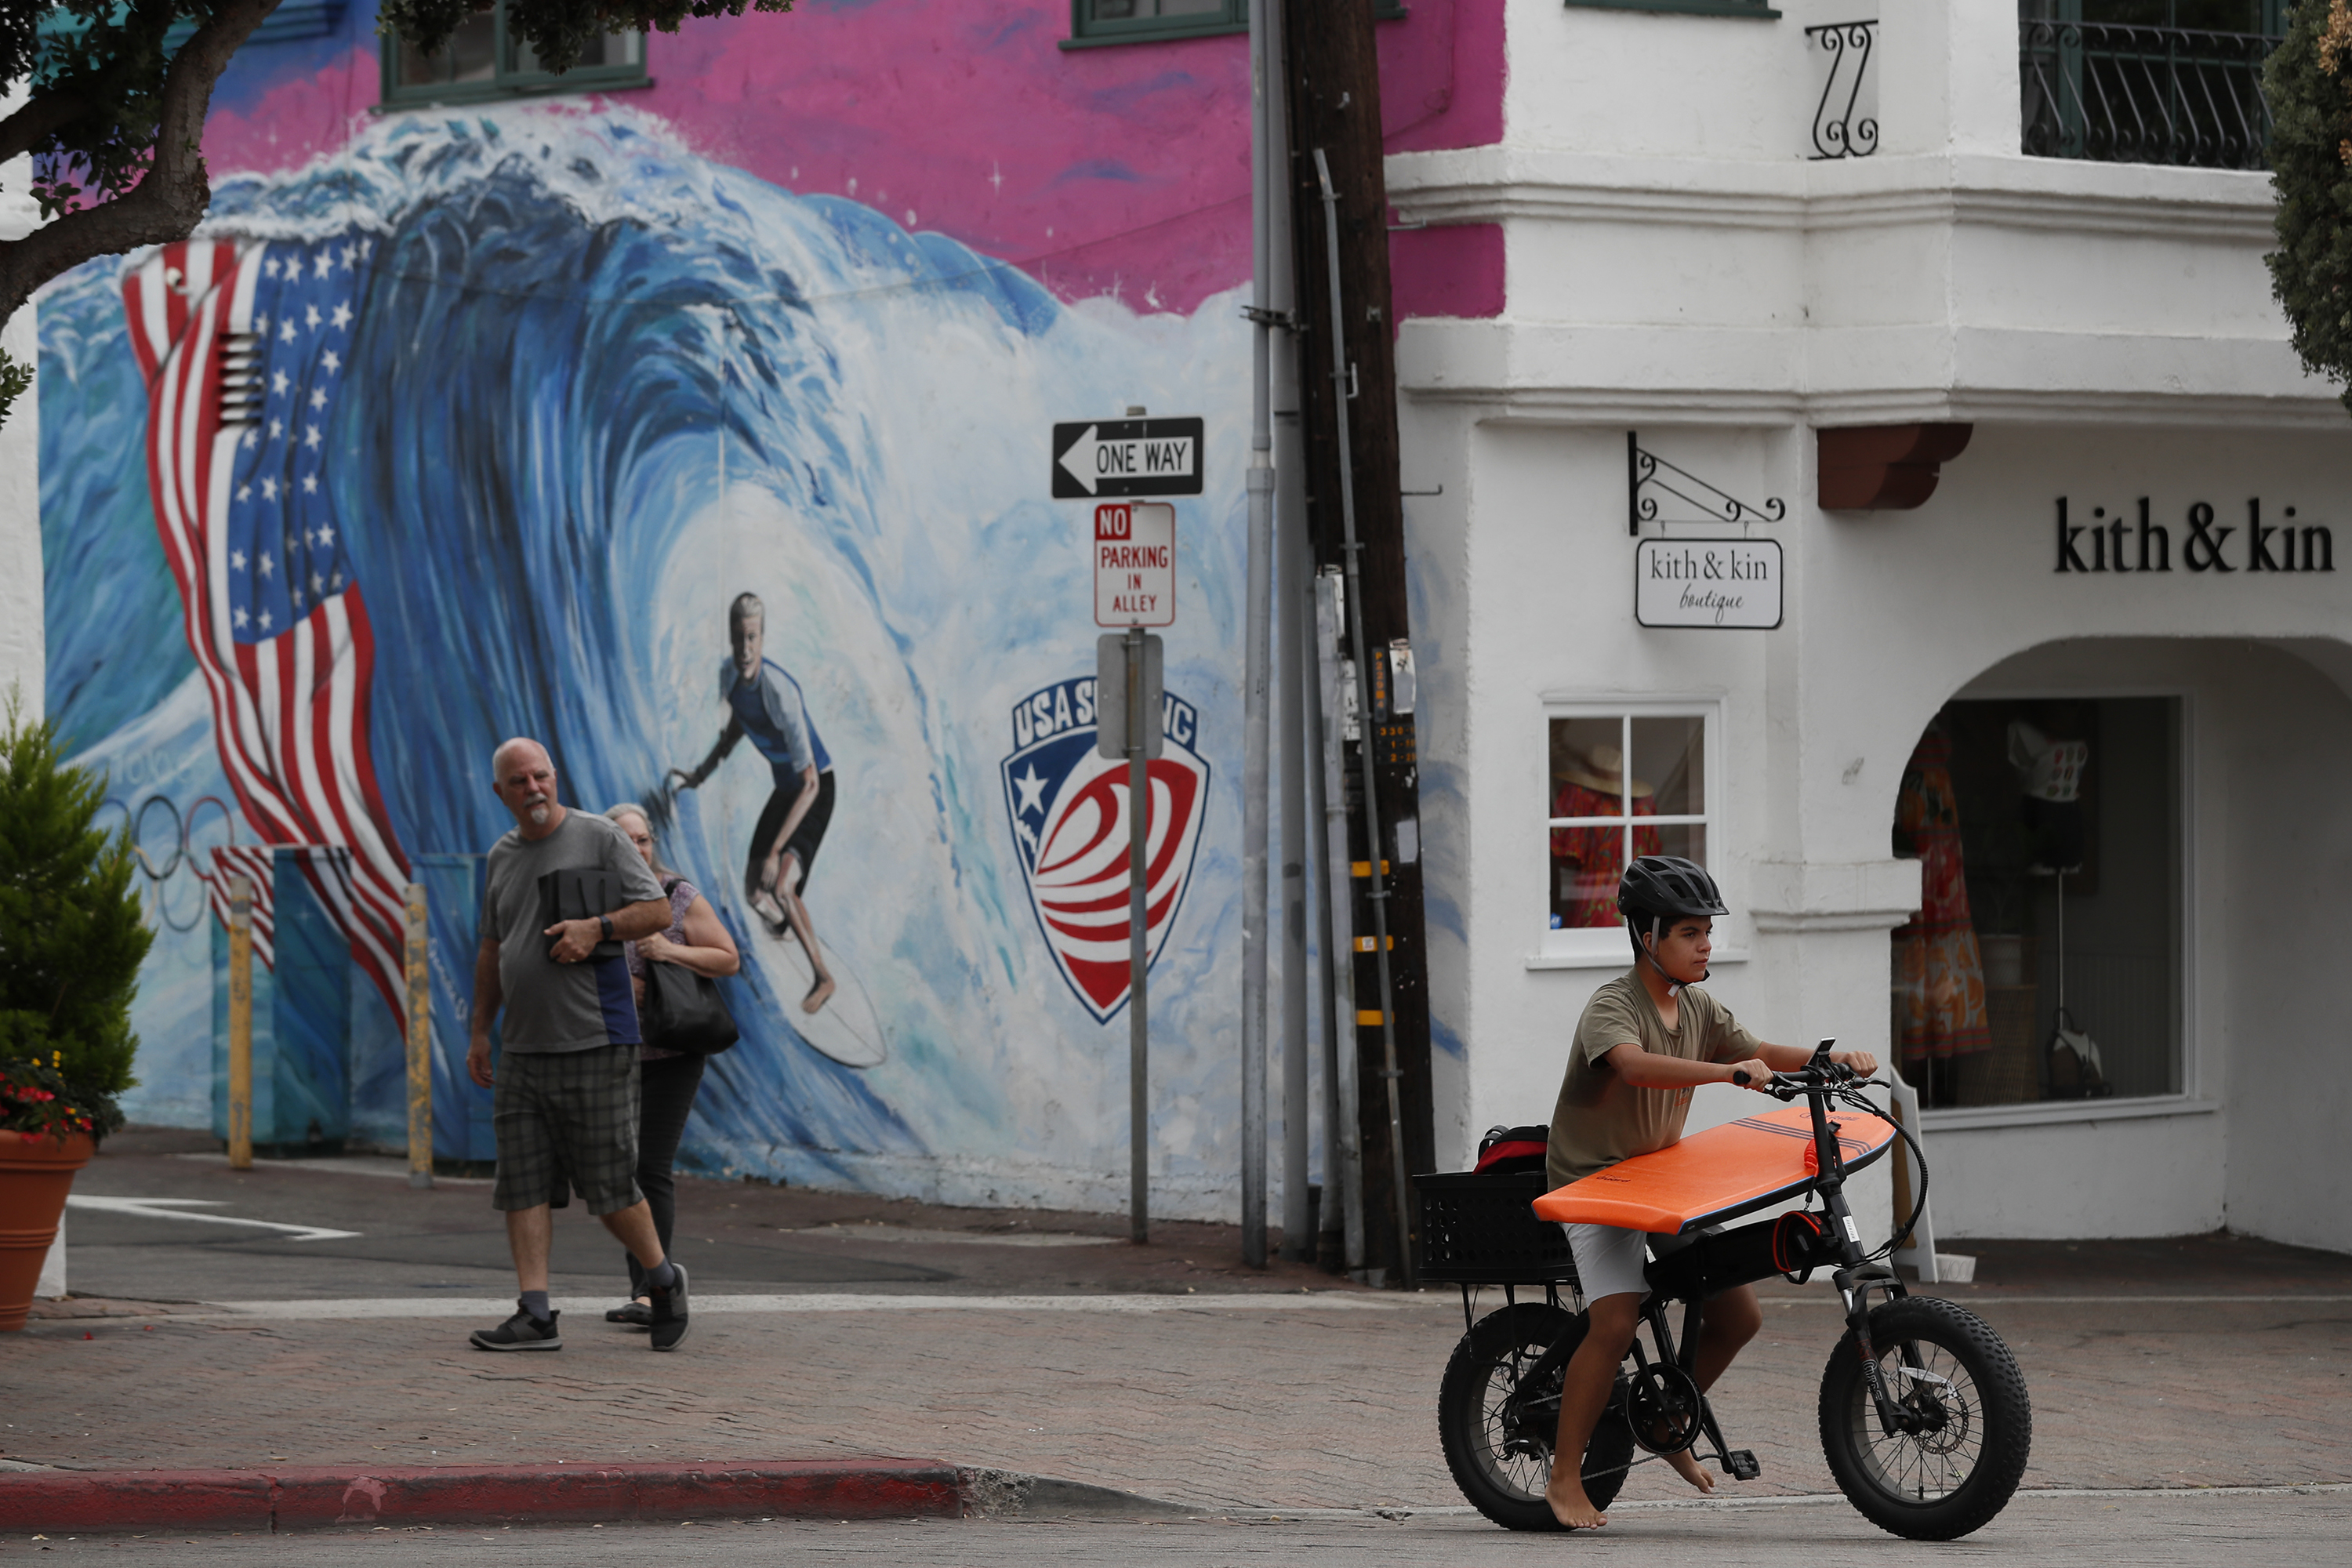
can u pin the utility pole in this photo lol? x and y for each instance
(1338, 204)
(1258, 658)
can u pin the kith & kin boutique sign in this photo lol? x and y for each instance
(1728, 584)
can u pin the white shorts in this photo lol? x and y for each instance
(1609, 1259)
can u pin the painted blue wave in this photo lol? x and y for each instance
(606, 384)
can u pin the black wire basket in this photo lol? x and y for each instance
(1478, 1230)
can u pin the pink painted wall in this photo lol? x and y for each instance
(1115, 171)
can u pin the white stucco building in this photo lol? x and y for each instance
(1680, 261)
(23, 655)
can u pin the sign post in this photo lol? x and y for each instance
(240, 1024)
(1135, 587)
(420, 1042)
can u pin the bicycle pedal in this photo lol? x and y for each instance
(1741, 1465)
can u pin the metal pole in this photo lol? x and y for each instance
(1377, 870)
(1343, 1101)
(1295, 576)
(1138, 1026)
(420, 1043)
(1258, 656)
(240, 1023)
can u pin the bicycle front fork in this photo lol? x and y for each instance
(1856, 1279)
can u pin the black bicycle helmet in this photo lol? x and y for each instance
(1667, 887)
(1659, 890)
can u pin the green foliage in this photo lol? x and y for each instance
(2308, 84)
(97, 78)
(15, 379)
(557, 30)
(71, 934)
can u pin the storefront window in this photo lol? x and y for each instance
(1619, 783)
(2044, 961)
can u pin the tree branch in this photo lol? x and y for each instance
(170, 197)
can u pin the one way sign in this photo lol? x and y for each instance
(1127, 458)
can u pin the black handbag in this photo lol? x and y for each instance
(684, 1011)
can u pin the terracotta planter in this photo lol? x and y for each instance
(35, 1171)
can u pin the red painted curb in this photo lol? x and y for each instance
(314, 1495)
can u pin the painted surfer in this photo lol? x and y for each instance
(1647, 1040)
(765, 704)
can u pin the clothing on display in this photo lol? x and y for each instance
(1587, 862)
(2052, 772)
(1938, 970)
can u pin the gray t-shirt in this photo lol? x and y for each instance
(552, 1007)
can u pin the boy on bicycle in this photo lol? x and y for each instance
(1645, 1041)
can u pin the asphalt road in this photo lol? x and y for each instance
(2276, 1529)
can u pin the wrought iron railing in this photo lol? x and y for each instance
(1842, 127)
(2144, 95)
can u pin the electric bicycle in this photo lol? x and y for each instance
(1924, 1416)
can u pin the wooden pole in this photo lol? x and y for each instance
(1348, 418)
(240, 1023)
(420, 1044)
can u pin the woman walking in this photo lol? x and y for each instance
(696, 939)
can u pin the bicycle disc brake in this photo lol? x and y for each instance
(1665, 1408)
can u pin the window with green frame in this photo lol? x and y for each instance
(1093, 23)
(481, 60)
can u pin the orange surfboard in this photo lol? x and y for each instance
(1714, 1175)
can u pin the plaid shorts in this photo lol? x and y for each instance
(567, 1118)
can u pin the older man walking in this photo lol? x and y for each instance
(565, 1106)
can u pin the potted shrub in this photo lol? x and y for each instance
(72, 939)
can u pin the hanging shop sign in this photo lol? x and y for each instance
(1721, 585)
(2105, 541)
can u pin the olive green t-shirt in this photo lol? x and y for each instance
(1601, 1118)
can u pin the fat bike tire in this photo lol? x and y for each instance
(1939, 1484)
(1502, 1464)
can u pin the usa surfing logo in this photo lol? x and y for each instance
(1069, 808)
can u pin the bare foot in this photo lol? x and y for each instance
(819, 994)
(1571, 1506)
(1686, 1465)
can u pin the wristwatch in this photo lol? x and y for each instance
(606, 922)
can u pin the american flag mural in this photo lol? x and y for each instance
(253, 863)
(246, 347)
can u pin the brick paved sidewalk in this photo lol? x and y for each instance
(1225, 1407)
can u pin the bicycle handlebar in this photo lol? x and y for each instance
(1804, 1080)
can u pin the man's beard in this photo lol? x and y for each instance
(538, 814)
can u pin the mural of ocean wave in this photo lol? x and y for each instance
(597, 386)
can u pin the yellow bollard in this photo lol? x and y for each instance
(240, 1023)
(420, 1044)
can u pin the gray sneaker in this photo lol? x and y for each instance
(669, 1311)
(520, 1332)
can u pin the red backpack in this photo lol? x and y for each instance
(1507, 1151)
